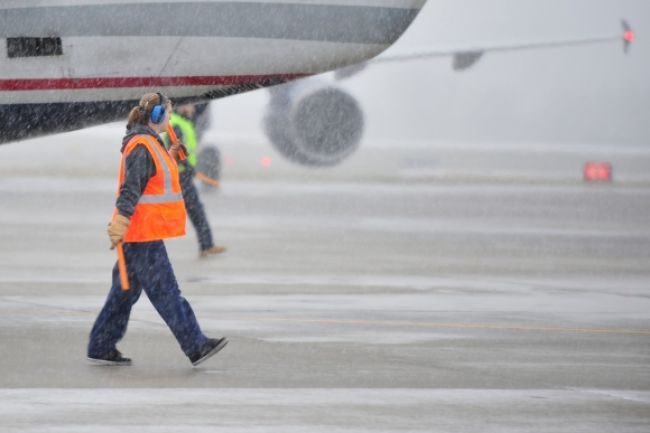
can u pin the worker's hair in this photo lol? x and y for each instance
(141, 114)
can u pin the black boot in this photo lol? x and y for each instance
(111, 358)
(210, 348)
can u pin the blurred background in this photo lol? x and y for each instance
(535, 115)
(589, 95)
(532, 115)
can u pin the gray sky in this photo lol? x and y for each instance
(584, 95)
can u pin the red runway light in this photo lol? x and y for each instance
(597, 172)
(629, 36)
(266, 161)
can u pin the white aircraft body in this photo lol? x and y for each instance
(67, 64)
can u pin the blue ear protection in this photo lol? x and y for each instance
(158, 112)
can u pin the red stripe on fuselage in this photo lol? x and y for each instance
(115, 82)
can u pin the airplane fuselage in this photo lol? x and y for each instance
(68, 64)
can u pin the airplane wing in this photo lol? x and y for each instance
(465, 58)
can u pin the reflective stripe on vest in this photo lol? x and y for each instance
(169, 194)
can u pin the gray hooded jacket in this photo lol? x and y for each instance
(139, 168)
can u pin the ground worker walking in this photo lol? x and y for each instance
(181, 121)
(149, 208)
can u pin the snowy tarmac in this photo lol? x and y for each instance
(378, 305)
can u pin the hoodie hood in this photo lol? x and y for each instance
(139, 130)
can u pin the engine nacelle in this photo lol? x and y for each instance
(313, 123)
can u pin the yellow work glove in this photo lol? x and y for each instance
(117, 229)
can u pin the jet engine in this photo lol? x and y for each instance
(313, 123)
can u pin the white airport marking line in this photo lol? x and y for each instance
(438, 325)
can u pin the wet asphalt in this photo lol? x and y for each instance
(351, 305)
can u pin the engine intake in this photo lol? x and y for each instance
(313, 124)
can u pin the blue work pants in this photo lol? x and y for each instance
(195, 209)
(149, 269)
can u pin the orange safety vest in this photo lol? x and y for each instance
(160, 212)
